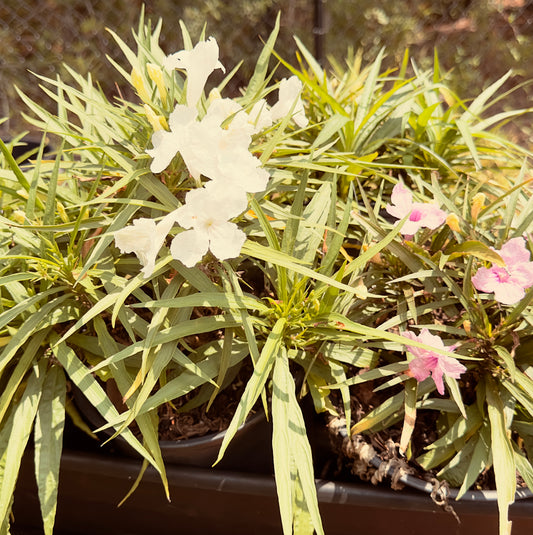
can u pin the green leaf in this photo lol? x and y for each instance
(281, 447)
(455, 392)
(24, 363)
(196, 326)
(256, 383)
(395, 368)
(207, 299)
(51, 200)
(261, 68)
(281, 259)
(311, 230)
(479, 103)
(329, 129)
(457, 468)
(502, 456)
(425, 115)
(477, 249)
(37, 321)
(480, 460)
(507, 359)
(466, 132)
(290, 445)
(361, 357)
(26, 306)
(12, 164)
(313, 63)
(90, 388)
(409, 418)
(49, 425)
(523, 465)
(391, 408)
(15, 434)
(521, 390)
(274, 245)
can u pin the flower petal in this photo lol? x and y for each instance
(425, 337)
(289, 92)
(508, 293)
(181, 117)
(189, 247)
(226, 202)
(432, 216)
(411, 227)
(522, 274)
(145, 238)
(166, 146)
(260, 116)
(419, 369)
(199, 63)
(437, 376)
(485, 280)
(451, 367)
(514, 251)
(427, 361)
(402, 197)
(226, 240)
(242, 170)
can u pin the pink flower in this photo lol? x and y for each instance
(428, 362)
(420, 214)
(508, 282)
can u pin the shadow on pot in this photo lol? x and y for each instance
(25, 149)
(249, 450)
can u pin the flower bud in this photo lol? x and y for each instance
(158, 122)
(453, 222)
(214, 94)
(19, 216)
(62, 212)
(477, 205)
(156, 75)
(138, 84)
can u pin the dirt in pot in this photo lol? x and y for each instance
(193, 416)
(353, 455)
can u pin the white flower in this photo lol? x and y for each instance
(145, 238)
(260, 116)
(237, 168)
(207, 149)
(166, 144)
(289, 93)
(206, 212)
(199, 63)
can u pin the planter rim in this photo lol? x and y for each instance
(328, 492)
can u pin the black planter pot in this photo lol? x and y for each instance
(248, 451)
(28, 146)
(223, 502)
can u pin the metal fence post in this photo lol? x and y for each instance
(319, 31)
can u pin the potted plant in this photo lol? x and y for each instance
(313, 233)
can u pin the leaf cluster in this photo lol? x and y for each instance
(317, 300)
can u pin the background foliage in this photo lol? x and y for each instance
(41, 36)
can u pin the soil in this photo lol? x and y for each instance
(354, 454)
(199, 421)
(192, 415)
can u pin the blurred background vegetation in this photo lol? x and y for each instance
(477, 40)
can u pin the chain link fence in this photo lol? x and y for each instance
(477, 40)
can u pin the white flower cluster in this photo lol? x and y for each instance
(215, 150)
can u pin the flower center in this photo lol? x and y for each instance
(501, 274)
(416, 215)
